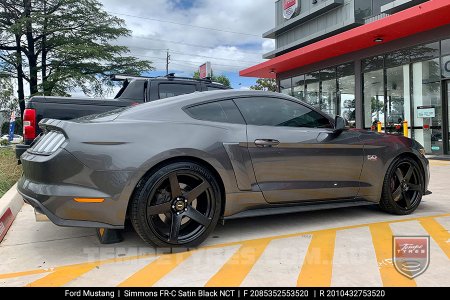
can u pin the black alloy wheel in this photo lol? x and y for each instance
(182, 206)
(403, 187)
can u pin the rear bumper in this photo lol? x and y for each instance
(40, 208)
(52, 183)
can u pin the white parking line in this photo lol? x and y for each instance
(110, 274)
(198, 268)
(355, 261)
(280, 263)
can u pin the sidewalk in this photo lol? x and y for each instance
(10, 205)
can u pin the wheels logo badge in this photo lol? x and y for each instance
(411, 255)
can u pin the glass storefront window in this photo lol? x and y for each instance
(286, 86)
(363, 9)
(445, 47)
(377, 4)
(397, 58)
(373, 98)
(313, 89)
(448, 112)
(427, 93)
(446, 67)
(299, 87)
(373, 63)
(348, 100)
(398, 99)
(424, 52)
(328, 103)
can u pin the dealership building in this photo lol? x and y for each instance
(369, 61)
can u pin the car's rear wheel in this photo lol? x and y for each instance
(403, 187)
(177, 206)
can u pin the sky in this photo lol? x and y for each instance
(181, 26)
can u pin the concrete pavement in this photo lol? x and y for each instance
(342, 247)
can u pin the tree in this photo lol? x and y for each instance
(265, 84)
(8, 103)
(223, 79)
(65, 44)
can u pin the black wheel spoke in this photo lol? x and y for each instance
(175, 228)
(415, 187)
(192, 195)
(407, 200)
(397, 194)
(158, 209)
(409, 173)
(399, 174)
(197, 216)
(174, 185)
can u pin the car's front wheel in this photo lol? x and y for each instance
(177, 206)
(403, 187)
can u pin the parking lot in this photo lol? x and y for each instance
(342, 247)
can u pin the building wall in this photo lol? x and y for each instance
(319, 19)
(332, 20)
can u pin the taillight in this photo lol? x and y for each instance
(29, 124)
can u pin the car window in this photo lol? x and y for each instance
(167, 90)
(262, 111)
(221, 111)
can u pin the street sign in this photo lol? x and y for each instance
(426, 112)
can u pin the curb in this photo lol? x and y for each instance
(10, 205)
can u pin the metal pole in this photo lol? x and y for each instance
(167, 62)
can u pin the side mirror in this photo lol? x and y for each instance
(339, 123)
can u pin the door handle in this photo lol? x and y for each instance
(266, 143)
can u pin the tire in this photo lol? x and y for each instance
(178, 205)
(403, 187)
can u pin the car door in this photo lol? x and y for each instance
(296, 153)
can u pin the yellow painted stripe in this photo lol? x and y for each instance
(156, 270)
(122, 259)
(318, 263)
(62, 276)
(439, 234)
(97, 263)
(89, 200)
(26, 273)
(382, 242)
(239, 265)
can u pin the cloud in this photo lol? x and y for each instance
(191, 46)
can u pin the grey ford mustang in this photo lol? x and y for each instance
(176, 166)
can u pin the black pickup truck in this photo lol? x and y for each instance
(135, 90)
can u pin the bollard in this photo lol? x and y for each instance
(405, 129)
(379, 126)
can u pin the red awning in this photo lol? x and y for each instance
(420, 18)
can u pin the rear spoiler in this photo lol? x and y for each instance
(52, 124)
